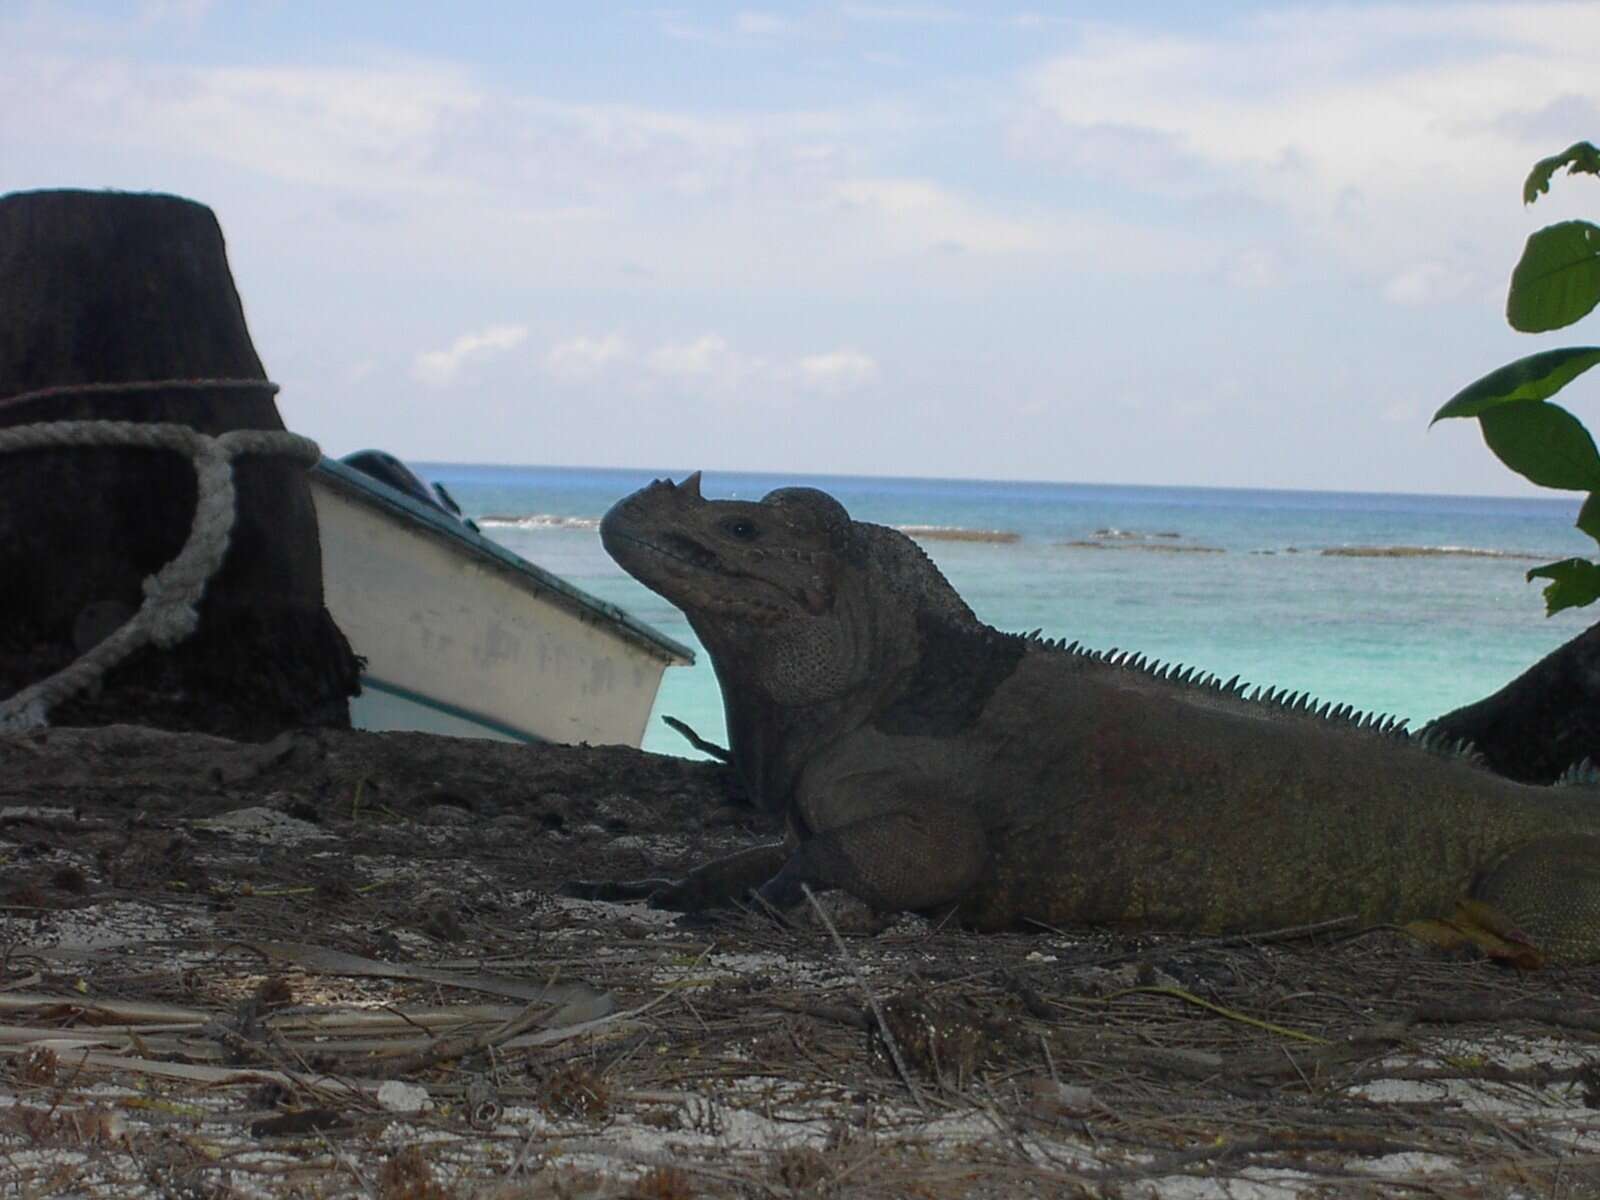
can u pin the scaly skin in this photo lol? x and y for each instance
(925, 761)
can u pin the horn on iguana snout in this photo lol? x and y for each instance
(691, 486)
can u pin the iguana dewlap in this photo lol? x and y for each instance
(926, 761)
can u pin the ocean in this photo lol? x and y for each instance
(1403, 604)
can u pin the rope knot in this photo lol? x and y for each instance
(170, 614)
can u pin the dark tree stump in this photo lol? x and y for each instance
(104, 287)
(1542, 722)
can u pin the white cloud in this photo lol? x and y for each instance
(1034, 210)
(904, 14)
(1037, 20)
(440, 367)
(427, 161)
(368, 130)
(764, 24)
(1427, 283)
(838, 370)
(1365, 132)
(711, 365)
(706, 362)
(748, 28)
(187, 12)
(1374, 131)
(1254, 267)
(918, 214)
(585, 357)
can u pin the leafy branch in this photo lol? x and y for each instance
(1555, 283)
(1580, 158)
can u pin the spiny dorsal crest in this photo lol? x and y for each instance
(1284, 700)
(1583, 773)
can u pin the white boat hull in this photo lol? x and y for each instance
(462, 637)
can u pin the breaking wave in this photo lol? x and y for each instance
(1423, 552)
(1160, 541)
(537, 521)
(952, 533)
(1152, 547)
(1134, 534)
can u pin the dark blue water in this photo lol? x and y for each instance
(1406, 604)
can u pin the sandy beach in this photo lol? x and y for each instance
(338, 963)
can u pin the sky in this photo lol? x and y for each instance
(1219, 244)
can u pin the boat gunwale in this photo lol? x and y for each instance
(376, 494)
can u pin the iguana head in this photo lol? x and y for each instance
(790, 596)
(731, 560)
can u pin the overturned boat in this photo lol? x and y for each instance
(463, 637)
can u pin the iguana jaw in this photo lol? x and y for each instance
(687, 551)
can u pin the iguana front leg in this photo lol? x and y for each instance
(911, 859)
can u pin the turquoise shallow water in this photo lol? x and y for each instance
(1233, 581)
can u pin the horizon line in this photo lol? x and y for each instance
(1556, 496)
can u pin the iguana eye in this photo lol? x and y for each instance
(744, 530)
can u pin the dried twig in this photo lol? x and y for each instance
(1267, 937)
(1231, 1014)
(1546, 1012)
(872, 1003)
(449, 1048)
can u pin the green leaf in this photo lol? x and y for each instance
(1580, 156)
(1537, 377)
(1557, 280)
(1589, 516)
(1544, 443)
(1574, 582)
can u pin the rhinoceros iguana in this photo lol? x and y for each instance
(926, 761)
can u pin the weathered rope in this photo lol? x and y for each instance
(170, 611)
